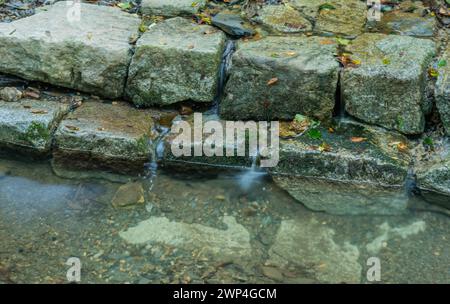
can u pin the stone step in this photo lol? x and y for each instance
(387, 88)
(103, 136)
(359, 170)
(279, 77)
(176, 60)
(90, 54)
(433, 179)
(27, 126)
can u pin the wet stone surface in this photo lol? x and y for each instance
(362, 164)
(112, 137)
(410, 19)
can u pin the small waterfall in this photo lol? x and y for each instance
(156, 155)
(230, 47)
(251, 175)
(410, 182)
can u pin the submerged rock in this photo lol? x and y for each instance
(283, 19)
(442, 91)
(311, 245)
(231, 24)
(90, 55)
(176, 60)
(387, 88)
(100, 136)
(171, 8)
(279, 77)
(27, 126)
(234, 242)
(10, 94)
(128, 195)
(357, 169)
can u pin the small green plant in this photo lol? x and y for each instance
(36, 132)
(428, 141)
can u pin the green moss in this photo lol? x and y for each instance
(142, 145)
(37, 131)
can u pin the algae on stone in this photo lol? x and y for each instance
(28, 125)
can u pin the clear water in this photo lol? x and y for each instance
(45, 219)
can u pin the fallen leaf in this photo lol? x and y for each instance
(272, 81)
(39, 111)
(326, 41)
(358, 139)
(402, 147)
(72, 128)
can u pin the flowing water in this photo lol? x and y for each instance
(194, 230)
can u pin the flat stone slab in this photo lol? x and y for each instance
(176, 60)
(279, 77)
(334, 17)
(442, 91)
(359, 170)
(91, 55)
(28, 125)
(387, 88)
(172, 8)
(108, 137)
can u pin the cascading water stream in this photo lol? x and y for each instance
(230, 47)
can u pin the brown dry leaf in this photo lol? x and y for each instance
(324, 147)
(358, 139)
(326, 41)
(31, 94)
(402, 147)
(39, 111)
(72, 128)
(185, 110)
(272, 81)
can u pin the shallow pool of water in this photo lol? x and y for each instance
(202, 230)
